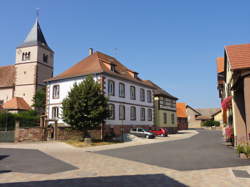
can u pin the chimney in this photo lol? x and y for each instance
(90, 51)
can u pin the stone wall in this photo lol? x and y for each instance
(65, 133)
(29, 134)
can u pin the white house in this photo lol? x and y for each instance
(130, 98)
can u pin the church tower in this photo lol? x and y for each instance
(34, 64)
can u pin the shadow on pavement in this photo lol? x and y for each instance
(3, 157)
(4, 171)
(31, 161)
(156, 180)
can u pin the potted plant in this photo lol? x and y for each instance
(244, 151)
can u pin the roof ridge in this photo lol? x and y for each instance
(237, 45)
(7, 66)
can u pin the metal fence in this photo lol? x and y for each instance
(7, 121)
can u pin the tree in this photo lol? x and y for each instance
(85, 107)
(39, 100)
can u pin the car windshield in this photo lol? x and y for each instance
(146, 130)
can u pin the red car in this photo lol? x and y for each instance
(160, 132)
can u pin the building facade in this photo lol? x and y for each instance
(235, 92)
(182, 117)
(192, 117)
(130, 98)
(165, 109)
(34, 64)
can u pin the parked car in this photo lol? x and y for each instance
(140, 132)
(160, 132)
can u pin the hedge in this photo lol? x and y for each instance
(211, 123)
(7, 121)
(26, 118)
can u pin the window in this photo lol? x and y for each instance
(121, 90)
(142, 94)
(1, 102)
(132, 93)
(142, 114)
(55, 112)
(45, 58)
(149, 114)
(111, 108)
(56, 91)
(26, 56)
(111, 88)
(172, 118)
(172, 103)
(149, 96)
(165, 118)
(132, 113)
(112, 67)
(122, 112)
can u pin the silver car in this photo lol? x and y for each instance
(140, 132)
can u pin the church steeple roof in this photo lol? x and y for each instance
(35, 37)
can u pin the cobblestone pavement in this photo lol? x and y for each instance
(102, 170)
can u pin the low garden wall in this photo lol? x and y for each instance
(65, 133)
(29, 134)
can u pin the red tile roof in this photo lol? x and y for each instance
(17, 103)
(159, 91)
(181, 110)
(97, 63)
(220, 64)
(7, 76)
(238, 56)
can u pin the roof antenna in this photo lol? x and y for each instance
(37, 13)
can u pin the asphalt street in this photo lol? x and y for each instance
(202, 151)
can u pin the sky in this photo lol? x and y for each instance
(174, 43)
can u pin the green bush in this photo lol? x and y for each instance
(211, 123)
(28, 118)
(7, 121)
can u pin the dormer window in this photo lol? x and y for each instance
(45, 58)
(112, 67)
(133, 74)
(26, 56)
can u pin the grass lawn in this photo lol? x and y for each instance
(76, 142)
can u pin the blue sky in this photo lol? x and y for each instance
(173, 43)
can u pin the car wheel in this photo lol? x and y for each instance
(162, 135)
(147, 136)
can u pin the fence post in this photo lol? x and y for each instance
(55, 131)
(17, 126)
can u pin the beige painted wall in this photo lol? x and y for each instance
(26, 73)
(218, 117)
(6, 94)
(26, 92)
(31, 73)
(50, 54)
(33, 54)
(44, 73)
(169, 121)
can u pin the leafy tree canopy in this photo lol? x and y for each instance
(86, 106)
(39, 100)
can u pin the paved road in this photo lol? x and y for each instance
(30, 161)
(202, 151)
